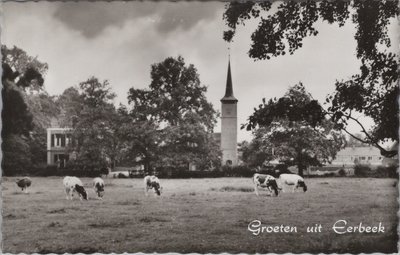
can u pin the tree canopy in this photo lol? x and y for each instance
(24, 70)
(93, 134)
(21, 73)
(178, 117)
(175, 90)
(294, 130)
(373, 91)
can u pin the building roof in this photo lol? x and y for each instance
(229, 97)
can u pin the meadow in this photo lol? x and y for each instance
(197, 215)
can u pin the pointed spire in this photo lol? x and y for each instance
(229, 97)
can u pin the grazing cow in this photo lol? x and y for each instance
(24, 183)
(152, 182)
(98, 185)
(293, 179)
(71, 184)
(265, 181)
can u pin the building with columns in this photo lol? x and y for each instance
(58, 140)
(229, 124)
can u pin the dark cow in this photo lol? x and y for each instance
(24, 183)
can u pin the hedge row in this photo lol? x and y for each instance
(379, 172)
(225, 171)
(52, 170)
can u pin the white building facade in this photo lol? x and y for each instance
(58, 139)
(351, 156)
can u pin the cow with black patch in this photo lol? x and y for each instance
(98, 185)
(73, 184)
(152, 182)
(265, 181)
(292, 180)
(24, 183)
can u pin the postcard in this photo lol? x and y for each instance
(200, 127)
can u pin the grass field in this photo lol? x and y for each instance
(197, 215)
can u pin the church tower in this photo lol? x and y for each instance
(229, 124)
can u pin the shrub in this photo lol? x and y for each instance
(342, 172)
(169, 172)
(379, 172)
(362, 170)
(16, 155)
(237, 171)
(386, 172)
(121, 175)
(329, 174)
(44, 170)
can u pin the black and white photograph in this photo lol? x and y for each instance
(203, 127)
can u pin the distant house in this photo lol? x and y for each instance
(58, 140)
(351, 156)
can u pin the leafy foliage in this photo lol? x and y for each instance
(70, 103)
(296, 105)
(21, 73)
(25, 71)
(16, 117)
(16, 154)
(174, 117)
(93, 131)
(175, 91)
(189, 143)
(292, 132)
(373, 91)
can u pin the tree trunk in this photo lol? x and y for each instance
(300, 166)
(301, 169)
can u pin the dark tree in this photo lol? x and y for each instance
(175, 90)
(175, 116)
(20, 73)
(294, 130)
(25, 71)
(373, 92)
(70, 104)
(93, 132)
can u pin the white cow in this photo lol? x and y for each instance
(292, 180)
(265, 181)
(98, 185)
(152, 182)
(71, 184)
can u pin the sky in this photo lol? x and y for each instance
(119, 41)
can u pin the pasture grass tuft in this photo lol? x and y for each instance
(10, 216)
(148, 219)
(236, 189)
(61, 210)
(375, 205)
(128, 202)
(19, 193)
(54, 224)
